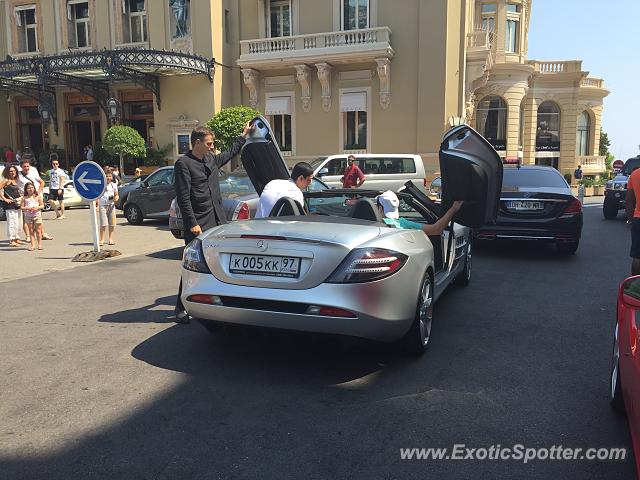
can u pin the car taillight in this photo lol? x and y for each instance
(574, 206)
(368, 264)
(242, 211)
(193, 257)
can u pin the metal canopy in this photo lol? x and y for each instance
(93, 73)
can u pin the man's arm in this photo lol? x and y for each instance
(183, 195)
(630, 202)
(360, 178)
(225, 157)
(438, 227)
(40, 184)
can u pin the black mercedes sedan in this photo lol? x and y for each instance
(536, 204)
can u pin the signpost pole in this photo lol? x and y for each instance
(94, 226)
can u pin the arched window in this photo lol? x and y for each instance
(491, 121)
(582, 137)
(548, 131)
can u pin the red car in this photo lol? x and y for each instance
(625, 370)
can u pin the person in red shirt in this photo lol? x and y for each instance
(633, 217)
(9, 156)
(353, 176)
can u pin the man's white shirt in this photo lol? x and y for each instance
(274, 191)
(56, 175)
(32, 176)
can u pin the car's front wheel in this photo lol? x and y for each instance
(133, 214)
(417, 338)
(464, 277)
(46, 204)
(615, 394)
(610, 209)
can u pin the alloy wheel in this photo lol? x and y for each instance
(425, 313)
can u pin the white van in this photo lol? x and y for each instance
(382, 171)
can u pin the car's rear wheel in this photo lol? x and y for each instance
(46, 204)
(464, 277)
(610, 209)
(417, 338)
(133, 214)
(617, 402)
(568, 248)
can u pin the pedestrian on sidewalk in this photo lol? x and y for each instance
(32, 206)
(577, 173)
(29, 173)
(198, 190)
(107, 209)
(57, 179)
(11, 195)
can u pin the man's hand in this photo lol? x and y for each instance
(457, 205)
(196, 230)
(248, 128)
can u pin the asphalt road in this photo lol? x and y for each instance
(96, 382)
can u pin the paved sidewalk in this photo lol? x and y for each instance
(594, 200)
(72, 236)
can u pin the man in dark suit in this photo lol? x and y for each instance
(198, 190)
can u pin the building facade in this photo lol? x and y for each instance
(72, 57)
(333, 76)
(390, 77)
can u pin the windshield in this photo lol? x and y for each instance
(316, 163)
(235, 184)
(535, 178)
(630, 165)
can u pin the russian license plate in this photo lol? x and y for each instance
(525, 205)
(265, 265)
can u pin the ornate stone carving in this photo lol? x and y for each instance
(251, 78)
(302, 74)
(384, 73)
(324, 75)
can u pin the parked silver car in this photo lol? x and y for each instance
(341, 270)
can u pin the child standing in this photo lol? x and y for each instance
(107, 210)
(32, 206)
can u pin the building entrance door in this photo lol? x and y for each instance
(83, 129)
(30, 128)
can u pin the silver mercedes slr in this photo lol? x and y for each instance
(332, 265)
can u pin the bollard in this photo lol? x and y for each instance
(581, 193)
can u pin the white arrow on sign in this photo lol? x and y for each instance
(82, 181)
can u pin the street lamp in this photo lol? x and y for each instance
(45, 115)
(114, 109)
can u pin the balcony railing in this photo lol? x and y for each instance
(591, 163)
(314, 44)
(480, 38)
(592, 82)
(569, 66)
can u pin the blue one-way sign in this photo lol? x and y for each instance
(89, 180)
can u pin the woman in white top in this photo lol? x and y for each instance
(107, 210)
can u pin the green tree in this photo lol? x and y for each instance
(228, 124)
(605, 143)
(122, 140)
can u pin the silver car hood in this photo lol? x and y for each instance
(322, 246)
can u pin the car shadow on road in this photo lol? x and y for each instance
(168, 254)
(537, 251)
(154, 313)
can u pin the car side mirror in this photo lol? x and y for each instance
(630, 293)
(322, 172)
(435, 187)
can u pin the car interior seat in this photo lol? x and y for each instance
(366, 209)
(286, 206)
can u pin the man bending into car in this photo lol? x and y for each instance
(301, 177)
(388, 204)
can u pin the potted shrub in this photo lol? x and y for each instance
(587, 182)
(568, 177)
